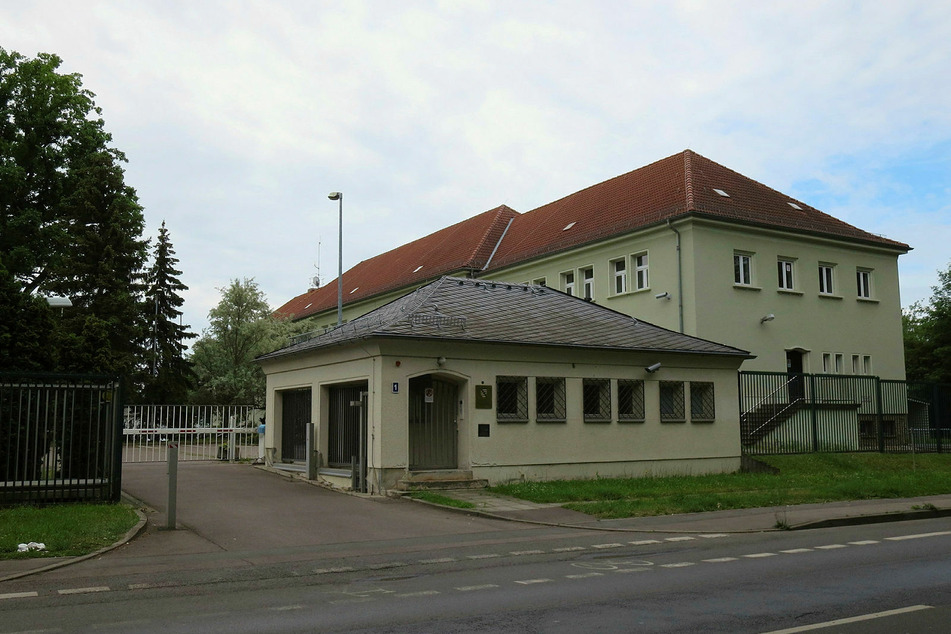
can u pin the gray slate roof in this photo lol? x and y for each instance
(458, 309)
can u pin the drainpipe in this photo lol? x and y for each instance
(680, 277)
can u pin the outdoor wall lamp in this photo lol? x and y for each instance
(653, 368)
(765, 318)
(664, 295)
(441, 361)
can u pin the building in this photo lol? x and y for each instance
(490, 381)
(684, 243)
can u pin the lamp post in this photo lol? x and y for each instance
(338, 196)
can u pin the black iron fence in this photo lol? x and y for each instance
(60, 438)
(803, 413)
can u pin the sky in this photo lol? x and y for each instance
(238, 118)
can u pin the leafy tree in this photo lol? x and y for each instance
(69, 225)
(242, 328)
(169, 375)
(927, 333)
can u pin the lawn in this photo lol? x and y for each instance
(66, 529)
(802, 479)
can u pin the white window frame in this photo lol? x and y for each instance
(587, 282)
(863, 283)
(620, 275)
(786, 274)
(826, 278)
(640, 262)
(742, 268)
(568, 282)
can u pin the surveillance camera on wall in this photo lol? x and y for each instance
(653, 368)
(664, 295)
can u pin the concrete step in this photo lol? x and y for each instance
(440, 480)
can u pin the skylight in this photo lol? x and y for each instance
(722, 193)
(569, 226)
(794, 205)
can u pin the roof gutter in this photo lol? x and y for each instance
(680, 277)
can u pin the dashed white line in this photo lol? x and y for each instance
(831, 547)
(682, 538)
(384, 566)
(440, 560)
(865, 542)
(84, 590)
(796, 551)
(484, 586)
(585, 575)
(527, 552)
(18, 595)
(644, 542)
(759, 555)
(681, 564)
(720, 560)
(568, 549)
(286, 608)
(919, 536)
(528, 582)
(607, 545)
(421, 593)
(713, 535)
(486, 556)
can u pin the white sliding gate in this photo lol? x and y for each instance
(203, 432)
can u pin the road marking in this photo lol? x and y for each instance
(84, 590)
(568, 549)
(682, 564)
(286, 608)
(321, 571)
(919, 536)
(528, 582)
(486, 556)
(421, 593)
(644, 542)
(354, 600)
(484, 586)
(527, 552)
(585, 575)
(865, 542)
(796, 551)
(831, 547)
(854, 619)
(720, 560)
(441, 560)
(713, 535)
(384, 566)
(759, 555)
(18, 595)
(682, 538)
(607, 545)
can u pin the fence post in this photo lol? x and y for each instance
(172, 485)
(878, 415)
(311, 454)
(812, 410)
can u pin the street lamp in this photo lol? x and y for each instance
(338, 196)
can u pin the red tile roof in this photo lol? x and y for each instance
(466, 245)
(677, 186)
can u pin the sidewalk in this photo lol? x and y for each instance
(236, 515)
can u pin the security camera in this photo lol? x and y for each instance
(664, 295)
(653, 368)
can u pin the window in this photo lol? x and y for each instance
(539, 281)
(856, 364)
(785, 270)
(702, 403)
(839, 362)
(619, 267)
(568, 282)
(641, 278)
(550, 399)
(630, 400)
(671, 401)
(743, 269)
(511, 403)
(825, 279)
(827, 362)
(596, 400)
(867, 363)
(863, 283)
(587, 277)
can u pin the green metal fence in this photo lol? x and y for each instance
(60, 438)
(803, 413)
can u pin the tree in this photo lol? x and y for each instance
(69, 225)
(242, 328)
(927, 335)
(169, 376)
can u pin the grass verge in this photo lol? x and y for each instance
(435, 498)
(802, 479)
(67, 530)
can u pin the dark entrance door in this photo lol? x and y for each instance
(797, 388)
(295, 408)
(346, 427)
(432, 424)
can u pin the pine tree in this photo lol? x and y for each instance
(169, 376)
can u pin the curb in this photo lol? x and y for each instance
(857, 520)
(130, 534)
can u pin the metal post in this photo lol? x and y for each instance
(338, 196)
(312, 456)
(172, 484)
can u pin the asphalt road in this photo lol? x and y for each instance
(536, 580)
